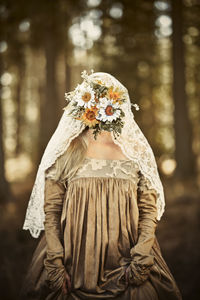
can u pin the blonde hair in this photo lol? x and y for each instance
(68, 163)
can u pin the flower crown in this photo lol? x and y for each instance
(98, 106)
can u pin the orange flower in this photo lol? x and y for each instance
(89, 116)
(86, 97)
(115, 95)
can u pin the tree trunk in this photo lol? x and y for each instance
(5, 193)
(50, 104)
(183, 134)
(68, 77)
(19, 115)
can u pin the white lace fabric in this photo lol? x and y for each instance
(132, 142)
(107, 168)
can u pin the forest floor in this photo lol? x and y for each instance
(177, 233)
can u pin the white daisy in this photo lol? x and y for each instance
(108, 111)
(85, 96)
(102, 102)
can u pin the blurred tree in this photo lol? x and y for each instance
(20, 119)
(47, 35)
(14, 61)
(8, 35)
(183, 134)
(5, 192)
(191, 30)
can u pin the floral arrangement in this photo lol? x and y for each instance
(97, 106)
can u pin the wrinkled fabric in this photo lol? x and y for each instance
(54, 193)
(100, 225)
(142, 259)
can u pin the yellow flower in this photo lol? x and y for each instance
(116, 95)
(89, 116)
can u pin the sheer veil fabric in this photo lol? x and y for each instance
(132, 142)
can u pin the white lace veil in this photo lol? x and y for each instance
(131, 141)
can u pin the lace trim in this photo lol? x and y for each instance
(135, 146)
(93, 167)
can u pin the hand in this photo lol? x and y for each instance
(139, 276)
(66, 287)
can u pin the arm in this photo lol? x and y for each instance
(142, 259)
(54, 194)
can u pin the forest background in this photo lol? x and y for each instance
(153, 48)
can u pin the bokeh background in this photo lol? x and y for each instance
(153, 48)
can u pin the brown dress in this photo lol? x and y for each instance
(97, 225)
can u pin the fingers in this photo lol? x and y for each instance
(64, 288)
(66, 284)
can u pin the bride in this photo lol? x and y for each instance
(98, 197)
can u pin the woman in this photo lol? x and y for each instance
(98, 197)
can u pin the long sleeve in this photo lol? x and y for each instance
(142, 259)
(54, 194)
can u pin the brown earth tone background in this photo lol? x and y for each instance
(153, 48)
